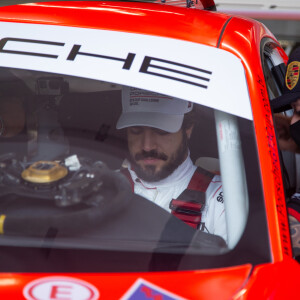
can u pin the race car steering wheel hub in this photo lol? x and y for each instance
(44, 172)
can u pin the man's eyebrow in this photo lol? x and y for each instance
(135, 128)
(160, 131)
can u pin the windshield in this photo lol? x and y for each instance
(79, 170)
(117, 160)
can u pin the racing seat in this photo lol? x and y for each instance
(210, 164)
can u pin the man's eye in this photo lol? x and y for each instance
(135, 130)
(160, 132)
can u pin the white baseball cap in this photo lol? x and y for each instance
(146, 108)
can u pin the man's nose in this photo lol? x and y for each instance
(148, 140)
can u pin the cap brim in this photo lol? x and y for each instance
(283, 102)
(165, 122)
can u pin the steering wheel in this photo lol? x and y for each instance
(105, 194)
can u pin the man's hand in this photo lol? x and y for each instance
(285, 141)
(296, 116)
(295, 234)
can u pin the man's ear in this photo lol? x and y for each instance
(189, 131)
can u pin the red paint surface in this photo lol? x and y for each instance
(242, 37)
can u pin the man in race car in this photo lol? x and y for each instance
(159, 166)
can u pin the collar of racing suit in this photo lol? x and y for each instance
(183, 193)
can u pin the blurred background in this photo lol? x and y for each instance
(282, 17)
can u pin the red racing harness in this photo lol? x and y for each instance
(188, 206)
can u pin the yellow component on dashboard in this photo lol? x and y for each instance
(44, 172)
(2, 219)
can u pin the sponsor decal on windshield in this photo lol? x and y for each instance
(185, 70)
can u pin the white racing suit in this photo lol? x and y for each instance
(186, 183)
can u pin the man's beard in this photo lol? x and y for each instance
(148, 173)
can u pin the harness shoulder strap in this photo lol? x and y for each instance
(189, 204)
(125, 172)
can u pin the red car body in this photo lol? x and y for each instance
(242, 37)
